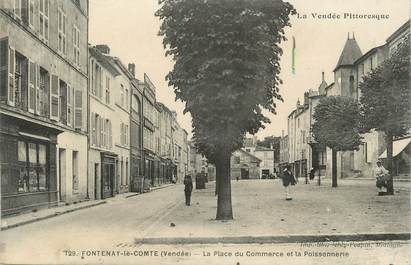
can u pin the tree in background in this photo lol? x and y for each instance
(336, 123)
(385, 100)
(226, 71)
(271, 142)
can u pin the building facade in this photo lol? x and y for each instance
(244, 165)
(102, 116)
(284, 152)
(136, 133)
(43, 106)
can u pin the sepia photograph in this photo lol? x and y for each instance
(209, 132)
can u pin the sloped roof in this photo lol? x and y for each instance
(103, 60)
(262, 148)
(350, 53)
(250, 155)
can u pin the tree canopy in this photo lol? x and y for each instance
(385, 95)
(336, 122)
(226, 68)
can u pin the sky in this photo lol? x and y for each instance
(130, 29)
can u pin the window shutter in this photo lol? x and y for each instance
(25, 11)
(78, 112)
(102, 121)
(98, 131)
(4, 69)
(54, 97)
(110, 139)
(31, 86)
(12, 69)
(69, 105)
(38, 91)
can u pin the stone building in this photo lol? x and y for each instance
(121, 125)
(303, 152)
(43, 103)
(266, 155)
(102, 154)
(149, 99)
(199, 164)
(136, 132)
(244, 165)
(284, 152)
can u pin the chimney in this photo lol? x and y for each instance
(305, 98)
(103, 48)
(132, 69)
(282, 133)
(323, 76)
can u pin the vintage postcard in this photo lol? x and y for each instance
(228, 132)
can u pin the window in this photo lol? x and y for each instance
(63, 102)
(351, 84)
(18, 76)
(126, 135)
(93, 126)
(78, 109)
(361, 69)
(44, 20)
(70, 99)
(109, 133)
(97, 88)
(236, 160)
(61, 31)
(32, 167)
(76, 45)
(43, 95)
(107, 90)
(126, 98)
(31, 13)
(122, 95)
(17, 8)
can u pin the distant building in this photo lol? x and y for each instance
(199, 164)
(266, 155)
(284, 153)
(303, 152)
(244, 165)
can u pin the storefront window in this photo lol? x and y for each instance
(33, 171)
(22, 151)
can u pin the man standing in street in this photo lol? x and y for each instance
(288, 179)
(188, 188)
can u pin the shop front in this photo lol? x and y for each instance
(28, 165)
(107, 174)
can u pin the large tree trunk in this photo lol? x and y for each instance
(390, 183)
(334, 168)
(224, 208)
(217, 182)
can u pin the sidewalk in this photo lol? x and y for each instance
(42, 214)
(262, 214)
(12, 221)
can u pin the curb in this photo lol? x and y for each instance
(395, 180)
(151, 190)
(50, 216)
(161, 187)
(272, 239)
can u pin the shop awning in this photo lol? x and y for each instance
(397, 148)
